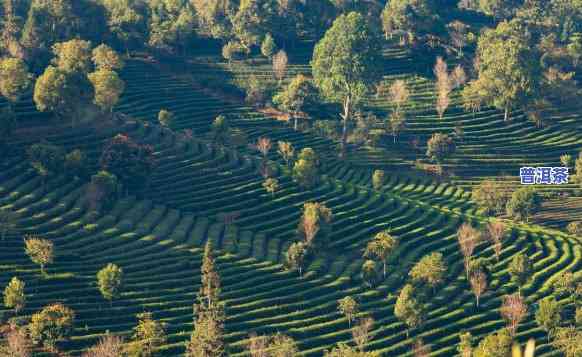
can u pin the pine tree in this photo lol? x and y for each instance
(207, 339)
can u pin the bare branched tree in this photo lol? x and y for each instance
(478, 284)
(257, 345)
(108, 346)
(468, 238)
(280, 62)
(496, 234)
(513, 310)
(361, 333)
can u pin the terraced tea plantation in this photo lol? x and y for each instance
(157, 236)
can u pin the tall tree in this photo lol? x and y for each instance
(207, 339)
(548, 315)
(478, 282)
(129, 161)
(110, 281)
(296, 97)
(14, 79)
(305, 170)
(569, 341)
(381, 247)
(513, 310)
(491, 195)
(295, 256)
(40, 251)
(348, 307)
(53, 323)
(508, 68)
(104, 57)
(108, 88)
(430, 270)
(361, 333)
(408, 308)
(409, 17)
(214, 17)
(439, 147)
(465, 347)
(520, 270)
(468, 238)
(315, 224)
(496, 233)
(524, 202)
(14, 296)
(127, 21)
(148, 334)
(494, 345)
(345, 63)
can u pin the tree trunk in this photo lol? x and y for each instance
(384, 270)
(295, 122)
(477, 296)
(345, 116)
(506, 115)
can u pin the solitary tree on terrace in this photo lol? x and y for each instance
(39, 250)
(345, 62)
(381, 247)
(496, 233)
(110, 280)
(478, 282)
(348, 306)
(408, 308)
(468, 237)
(14, 296)
(513, 310)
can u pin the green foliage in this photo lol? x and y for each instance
(508, 69)
(548, 315)
(348, 307)
(76, 164)
(51, 324)
(295, 256)
(129, 161)
(220, 130)
(579, 169)
(233, 50)
(408, 308)
(166, 118)
(207, 339)
(439, 147)
(14, 296)
(149, 333)
(378, 179)
(414, 18)
(370, 273)
(315, 224)
(110, 280)
(344, 350)
(305, 170)
(491, 195)
(73, 56)
(271, 185)
(104, 57)
(494, 345)
(46, 159)
(465, 347)
(430, 269)
(299, 95)
(346, 62)
(523, 203)
(14, 78)
(569, 341)
(171, 24)
(520, 270)
(126, 20)
(103, 189)
(268, 47)
(40, 251)
(381, 247)
(108, 88)
(499, 8)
